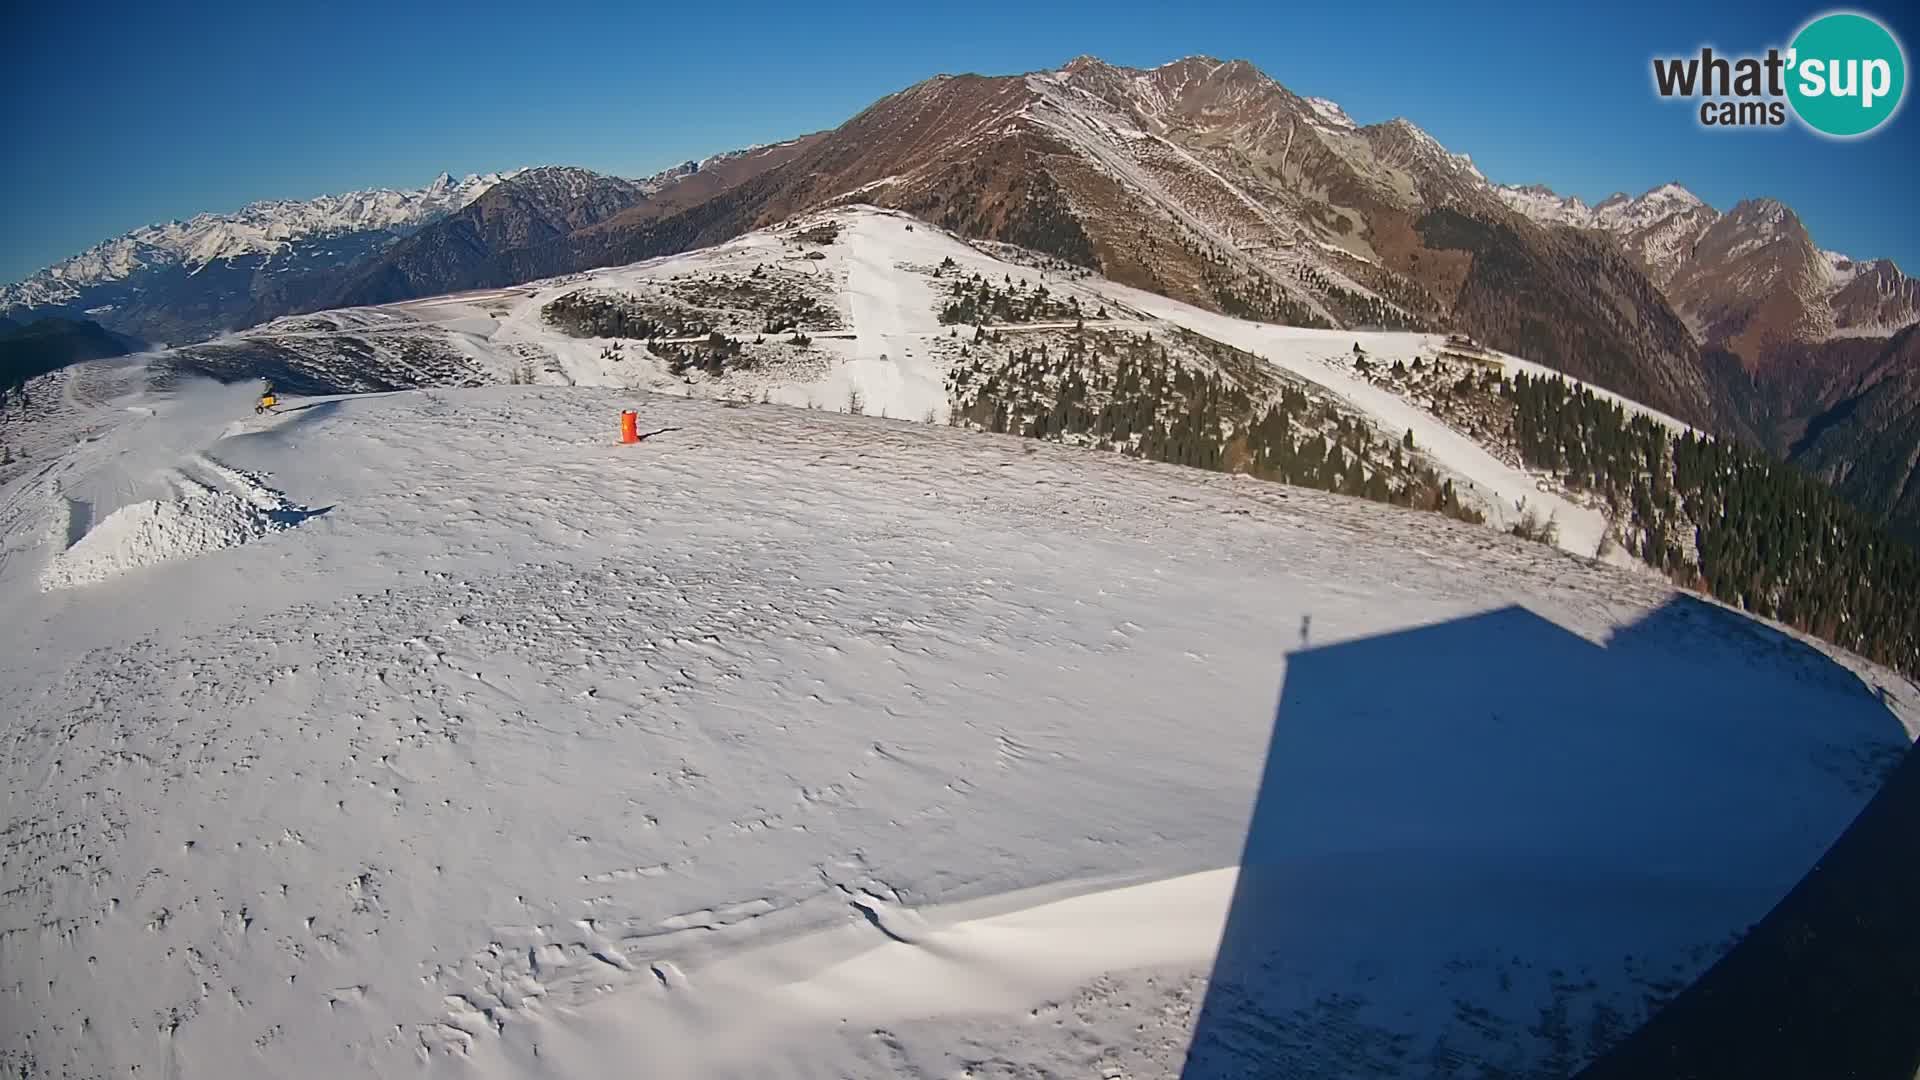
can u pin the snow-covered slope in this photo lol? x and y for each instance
(788, 743)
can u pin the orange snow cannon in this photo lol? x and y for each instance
(629, 426)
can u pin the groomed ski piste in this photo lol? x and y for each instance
(435, 733)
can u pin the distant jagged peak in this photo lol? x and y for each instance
(1618, 212)
(1185, 71)
(1085, 63)
(1763, 211)
(1541, 203)
(1673, 192)
(560, 174)
(1653, 207)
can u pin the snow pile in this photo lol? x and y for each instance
(158, 530)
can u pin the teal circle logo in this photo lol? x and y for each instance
(1847, 75)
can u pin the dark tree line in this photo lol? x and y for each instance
(585, 313)
(1717, 516)
(979, 301)
(1123, 392)
(1357, 309)
(1257, 299)
(588, 313)
(716, 355)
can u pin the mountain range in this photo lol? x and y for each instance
(1202, 180)
(186, 281)
(1750, 278)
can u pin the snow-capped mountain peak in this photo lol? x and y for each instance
(1672, 192)
(1659, 228)
(1332, 113)
(1618, 212)
(564, 183)
(1540, 203)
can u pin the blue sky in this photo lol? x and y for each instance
(125, 114)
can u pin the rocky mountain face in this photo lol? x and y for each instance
(1754, 282)
(1874, 297)
(1866, 442)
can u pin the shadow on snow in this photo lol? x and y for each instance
(1492, 848)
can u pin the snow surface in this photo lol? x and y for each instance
(795, 744)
